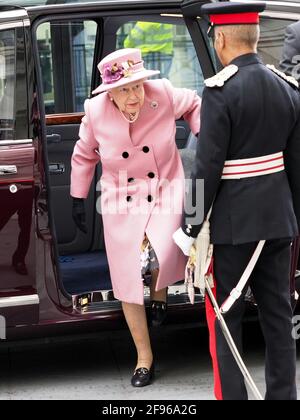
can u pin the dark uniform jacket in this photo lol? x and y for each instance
(255, 113)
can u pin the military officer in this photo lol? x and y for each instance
(248, 155)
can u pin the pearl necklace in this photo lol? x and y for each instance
(134, 117)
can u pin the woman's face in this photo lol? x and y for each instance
(129, 98)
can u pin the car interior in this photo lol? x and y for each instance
(83, 264)
(68, 50)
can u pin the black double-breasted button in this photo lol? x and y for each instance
(146, 149)
(130, 180)
(151, 174)
(125, 155)
(150, 198)
(129, 198)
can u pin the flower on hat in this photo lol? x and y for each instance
(115, 72)
(112, 73)
(126, 66)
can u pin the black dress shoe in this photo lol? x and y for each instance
(158, 312)
(142, 376)
(20, 267)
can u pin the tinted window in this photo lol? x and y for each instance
(279, 46)
(66, 51)
(165, 47)
(7, 84)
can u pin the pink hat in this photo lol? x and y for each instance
(122, 67)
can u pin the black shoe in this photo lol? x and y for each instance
(142, 376)
(20, 267)
(158, 312)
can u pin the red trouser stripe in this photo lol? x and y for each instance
(211, 321)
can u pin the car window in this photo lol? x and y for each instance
(7, 84)
(277, 47)
(165, 47)
(66, 53)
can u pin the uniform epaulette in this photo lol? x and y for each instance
(291, 80)
(220, 78)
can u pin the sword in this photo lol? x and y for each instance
(198, 266)
(231, 343)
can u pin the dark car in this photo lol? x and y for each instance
(53, 278)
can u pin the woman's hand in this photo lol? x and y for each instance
(78, 214)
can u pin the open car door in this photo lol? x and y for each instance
(19, 301)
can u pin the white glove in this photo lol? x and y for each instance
(184, 241)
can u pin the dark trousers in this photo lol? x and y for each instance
(270, 285)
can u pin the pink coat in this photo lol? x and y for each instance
(139, 163)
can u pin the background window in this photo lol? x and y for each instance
(66, 52)
(279, 45)
(7, 84)
(165, 47)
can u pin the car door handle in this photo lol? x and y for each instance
(53, 138)
(57, 168)
(8, 170)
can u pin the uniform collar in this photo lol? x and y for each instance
(246, 60)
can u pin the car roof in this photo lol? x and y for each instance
(31, 4)
(49, 3)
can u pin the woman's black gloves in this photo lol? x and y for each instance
(78, 214)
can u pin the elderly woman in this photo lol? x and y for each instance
(131, 126)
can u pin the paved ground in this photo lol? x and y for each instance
(99, 367)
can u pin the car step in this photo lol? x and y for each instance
(98, 300)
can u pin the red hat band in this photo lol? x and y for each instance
(235, 18)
